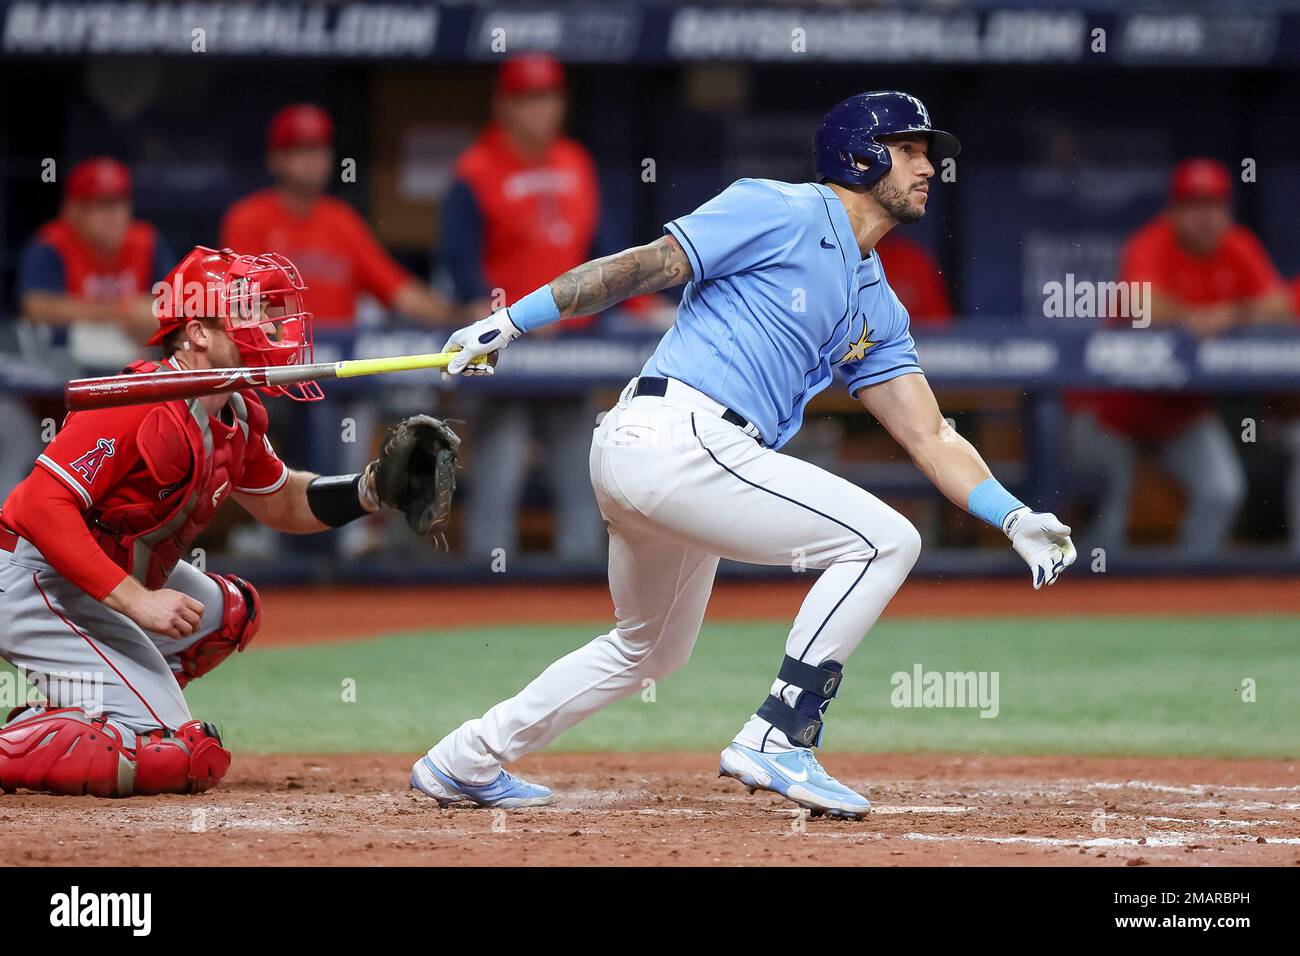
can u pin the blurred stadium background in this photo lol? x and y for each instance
(1069, 148)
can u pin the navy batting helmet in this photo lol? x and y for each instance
(846, 146)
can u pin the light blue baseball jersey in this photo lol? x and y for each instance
(780, 298)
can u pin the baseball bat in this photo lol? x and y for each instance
(112, 391)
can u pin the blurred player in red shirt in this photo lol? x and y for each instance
(915, 278)
(525, 206)
(340, 259)
(99, 606)
(90, 271)
(327, 238)
(1208, 275)
(83, 283)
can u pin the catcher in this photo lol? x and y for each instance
(99, 607)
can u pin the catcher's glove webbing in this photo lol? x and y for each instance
(416, 471)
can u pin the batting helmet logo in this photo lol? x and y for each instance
(847, 147)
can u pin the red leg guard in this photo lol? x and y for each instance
(241, 617)
(191, 761)
(67, 752)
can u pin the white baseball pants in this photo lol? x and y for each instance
(679, 487)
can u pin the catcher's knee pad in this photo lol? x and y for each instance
(66, 751)
(241, 617)
(189, 761)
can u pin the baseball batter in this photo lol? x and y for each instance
(99, 606)
(783, 289)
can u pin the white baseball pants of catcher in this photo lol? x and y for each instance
(680, 487)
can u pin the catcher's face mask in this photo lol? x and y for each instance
(258, 299)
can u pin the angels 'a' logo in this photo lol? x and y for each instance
(88, 465)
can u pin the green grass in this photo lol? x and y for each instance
(1164, 685)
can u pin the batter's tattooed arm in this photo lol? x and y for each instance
(595, 286)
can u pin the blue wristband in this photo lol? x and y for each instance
(534, 310)
(990, 502)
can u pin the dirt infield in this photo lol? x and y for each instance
(671, 809)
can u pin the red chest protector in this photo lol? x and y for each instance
(198, 461)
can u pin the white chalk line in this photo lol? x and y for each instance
(1191, 789)
(1163, 839)
(890, 811)
(875, 810)
(1234, 798)
(1235, 805)
(1216, 821)
(253, 823)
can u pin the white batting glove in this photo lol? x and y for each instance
(477, 341)
(1043, 541)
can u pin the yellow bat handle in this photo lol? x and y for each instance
(402, 363)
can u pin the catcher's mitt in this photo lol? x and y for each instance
(416, 471)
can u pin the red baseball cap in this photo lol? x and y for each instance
(302, 124)
(530, 73)
(1200, 178)
(99, 178)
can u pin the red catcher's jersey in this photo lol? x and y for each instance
(539, 218)
(90, 276)
(150, 477)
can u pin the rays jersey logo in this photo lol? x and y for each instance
(88, 465)
(857, 348)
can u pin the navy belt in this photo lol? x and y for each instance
(658, 387)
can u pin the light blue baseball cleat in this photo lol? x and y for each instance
(506, 791)
(795, 775)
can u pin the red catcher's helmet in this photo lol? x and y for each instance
(259, 301)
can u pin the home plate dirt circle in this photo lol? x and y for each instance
(670, 809)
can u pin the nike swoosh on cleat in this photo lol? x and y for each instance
(799, 777)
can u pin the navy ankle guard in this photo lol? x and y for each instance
(820, 684)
